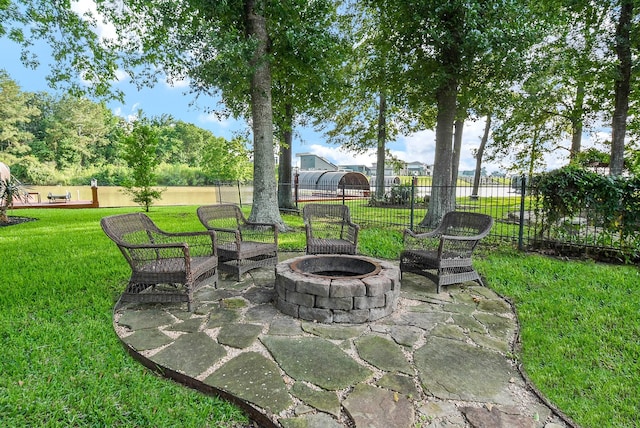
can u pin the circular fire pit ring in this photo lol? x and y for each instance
(337, 288)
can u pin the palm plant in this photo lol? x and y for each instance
(10, 190)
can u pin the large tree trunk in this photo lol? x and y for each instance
(285, 194)
(576, 122)
(479, 154)
(622, 85)
(458, 127)
(442, 200)
(265, 201)
(382, 141)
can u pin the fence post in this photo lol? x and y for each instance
(239, 193)
(414, 182)
(523, 188)
(343, 196)
(296, 183)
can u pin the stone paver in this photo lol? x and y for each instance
(439, 360)
(191, 354)
(383, 354)
(374, 407)
(316, 360)
(450, 369)
(254, 378)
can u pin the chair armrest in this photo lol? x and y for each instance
(196, 233)
(352, 232)
(271, 225)
(138, 254)
(222, 230)
(412, 234)
(427, 241)
(463, 238)
(201, 243)
(156, 246)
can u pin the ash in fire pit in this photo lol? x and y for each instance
(337, 288)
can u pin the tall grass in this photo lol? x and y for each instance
(62, 364)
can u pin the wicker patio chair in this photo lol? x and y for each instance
(165, 267)
(242, 245)
(329, 229)
(444, 254)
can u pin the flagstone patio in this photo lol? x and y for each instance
(439, 360)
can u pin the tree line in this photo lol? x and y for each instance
(49, 140)
(366, 72)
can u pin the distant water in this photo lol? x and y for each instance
(113, 196)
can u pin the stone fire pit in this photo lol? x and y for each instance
(337, 288)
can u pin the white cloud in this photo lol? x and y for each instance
(121, 75)
(339, 156)
(217, 120)
(419, 146)
(176, 83)
(104, 30)
(129, 117)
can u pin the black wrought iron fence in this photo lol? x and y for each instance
(513, 203)
(401, 206)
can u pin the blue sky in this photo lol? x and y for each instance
(164, 99)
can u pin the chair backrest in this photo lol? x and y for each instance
(129, 229)
(326, 212)
(326, 220)
(221, 216)
(460, 223)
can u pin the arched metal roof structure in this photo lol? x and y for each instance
(332, 181)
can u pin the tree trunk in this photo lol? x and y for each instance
(382, 141)
(622, 88)
(285, 193)
(441, 200)
(576, 122)
(265, 201)
(458, 127)
(479, 154)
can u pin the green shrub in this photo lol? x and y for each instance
(610, 203)
(109, 175)
(181, 175)
(399, 195)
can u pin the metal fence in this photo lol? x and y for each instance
(405, 206)
(513, 204)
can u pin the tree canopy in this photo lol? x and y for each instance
(546, 71)
(51, 139)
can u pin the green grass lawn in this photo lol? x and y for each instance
(62, 364)
(580, 328)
